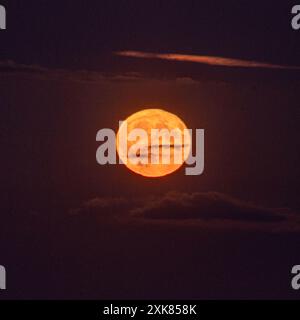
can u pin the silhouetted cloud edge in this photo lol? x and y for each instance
(198, 209)
(9, 67)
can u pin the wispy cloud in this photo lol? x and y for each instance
(9, 67)
(199, 209)
(208, 60)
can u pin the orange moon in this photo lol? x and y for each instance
(147, 120)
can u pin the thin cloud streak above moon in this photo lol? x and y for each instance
(209, 60)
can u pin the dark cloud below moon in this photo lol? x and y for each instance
(211, 209)
(207, 206)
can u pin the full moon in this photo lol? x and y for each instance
(147, 120)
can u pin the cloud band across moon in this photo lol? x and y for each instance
(208, 60)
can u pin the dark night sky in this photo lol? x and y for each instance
(60, 82)
(76, 34)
